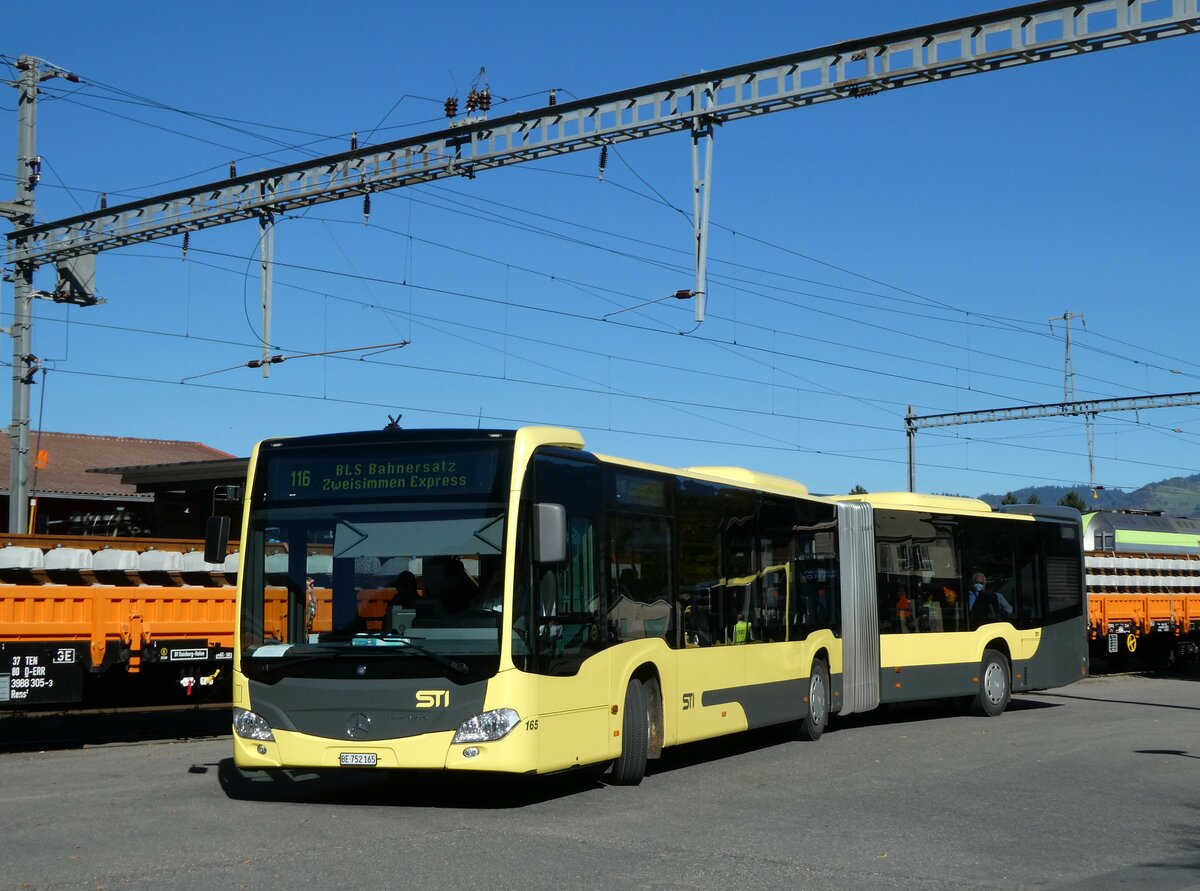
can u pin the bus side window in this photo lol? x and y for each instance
(558, 609)
(1028, 595)
(698, 603)
(640, 590)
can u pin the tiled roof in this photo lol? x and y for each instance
(69, 457)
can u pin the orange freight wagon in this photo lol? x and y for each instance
(72, 605)
(1144, 602)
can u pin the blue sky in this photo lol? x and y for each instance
(866, 255)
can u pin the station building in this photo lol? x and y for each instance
(118, 486)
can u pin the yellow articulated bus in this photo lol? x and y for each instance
(486, 600)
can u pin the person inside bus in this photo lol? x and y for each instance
(405, 599)
(903, 608)
(820, 609)
(814, 612)
(460, 588)
(741, 630)
(406, 590)
(951, 613)
(310, 603)
(986, 605)
(929, 607)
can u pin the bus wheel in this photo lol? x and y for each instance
(630, 766)
(995, 687)
(812, 725)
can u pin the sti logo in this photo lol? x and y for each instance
(689, 701)
(433, 699)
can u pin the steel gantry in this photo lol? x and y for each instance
(993, 41)
(1087, 409)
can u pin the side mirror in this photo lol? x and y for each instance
(216, 539)
(549, 533)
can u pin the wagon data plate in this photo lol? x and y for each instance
(358, 759)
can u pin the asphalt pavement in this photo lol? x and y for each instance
(1096, 785)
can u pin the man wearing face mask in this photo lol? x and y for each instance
(985, 605)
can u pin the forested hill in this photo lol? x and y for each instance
(1175, 497)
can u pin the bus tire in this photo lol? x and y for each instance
(630, 766)
(652, 693)
(812, 725)
(995, 685)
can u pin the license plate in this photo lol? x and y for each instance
(358, 759)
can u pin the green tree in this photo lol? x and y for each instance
(1073, 499)
(858, 490)
(1033, 499)
(1009, 498)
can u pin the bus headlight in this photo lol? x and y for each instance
(487, 727)
(249, 725)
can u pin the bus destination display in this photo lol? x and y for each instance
(391, 473)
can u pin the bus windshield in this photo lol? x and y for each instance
(354, 551)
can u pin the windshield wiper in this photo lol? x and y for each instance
(445, 661)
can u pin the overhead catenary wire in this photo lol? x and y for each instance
(660, 198)
(538, 420)
(659, 330)
(279, 358)
(560, 312)
(831, 452)
(222, 121)
(717, 277)
(691, 403)
(561, 279)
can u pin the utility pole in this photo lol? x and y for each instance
(1089, 419)
(20, 213)
(910, 435)
(1068, 367)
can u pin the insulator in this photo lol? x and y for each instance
(186, 238)
(353, 141)
(603, 158)
(103, 201)
(451, 107)
(35, 170)
(271, 360)
(553, 99)
(366, 208)
(472, 100)
(232, 169)
(34, 364)
(485, 99)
